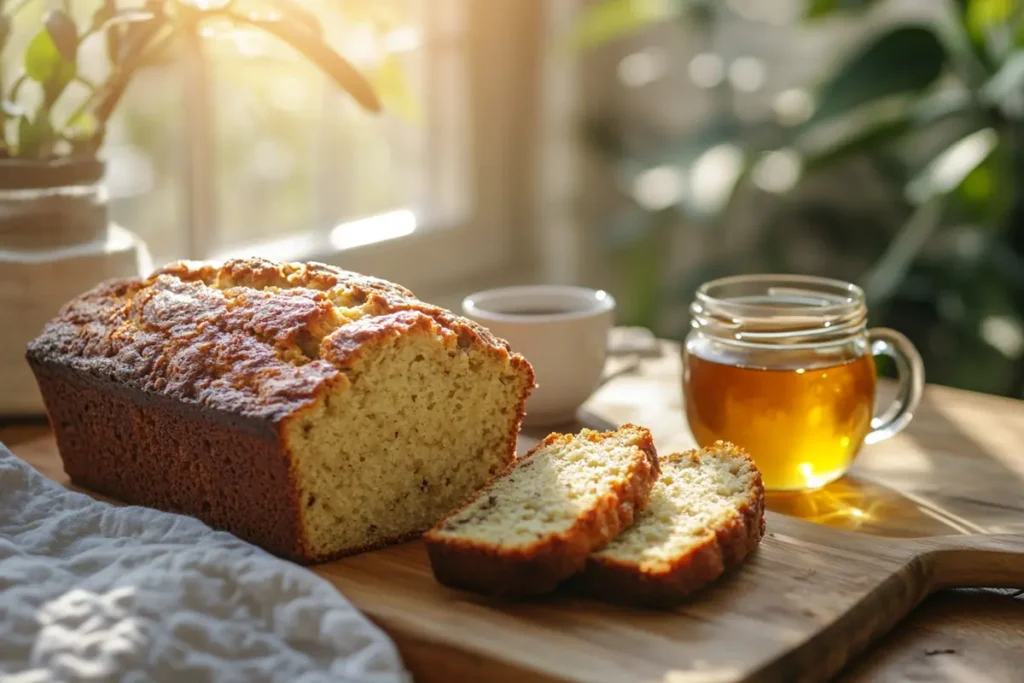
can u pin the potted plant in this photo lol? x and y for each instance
(56, 239)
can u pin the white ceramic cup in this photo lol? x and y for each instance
(561, 330)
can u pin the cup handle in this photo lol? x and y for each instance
(910, 371)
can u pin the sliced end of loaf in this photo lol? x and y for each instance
(535, 525)
(705, 516)
(419, 421)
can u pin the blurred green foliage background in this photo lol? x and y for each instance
(935, 110)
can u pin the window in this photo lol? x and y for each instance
(261, 155)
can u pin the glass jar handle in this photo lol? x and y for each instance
(910, 371)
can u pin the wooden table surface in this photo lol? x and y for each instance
(959, 467)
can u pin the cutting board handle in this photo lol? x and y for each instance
(975, 561)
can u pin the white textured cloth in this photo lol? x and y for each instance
(94, 592)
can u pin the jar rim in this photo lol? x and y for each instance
(835, 295)
(779, 309)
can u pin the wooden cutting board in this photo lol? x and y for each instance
(805, 604)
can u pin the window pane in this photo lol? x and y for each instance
(449, 136)
(265, 116)
(294, 154)
(145, 162)
(284, 153)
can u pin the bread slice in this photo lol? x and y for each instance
(706, 514)
(537, 522)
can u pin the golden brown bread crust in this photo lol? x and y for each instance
(734, 539)
(173, 391)
(540, 567)
(253, 337)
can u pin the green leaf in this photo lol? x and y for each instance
(954, 170)
(947, 171)
(45, 65)
(906, 59)
(607, 20)
(982, 16)
(936, 109)
(83, 125)
(42, 60)
(35, 136)
(63, 33)
(987, 192)
(1006, 88)
(817, 9)
(865, 139)
(969, 58)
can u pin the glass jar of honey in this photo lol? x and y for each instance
(783, 365)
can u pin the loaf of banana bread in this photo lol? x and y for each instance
(310, 410)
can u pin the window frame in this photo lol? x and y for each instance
(500, 45)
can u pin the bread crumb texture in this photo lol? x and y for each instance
(419, 425)
(706, 513)
(390, 410)
(549, 491)
(536, 523)
(697, 492)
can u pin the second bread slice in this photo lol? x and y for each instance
(706, 514)
(535, 524)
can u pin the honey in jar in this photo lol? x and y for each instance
(783, 366)
(807, 423)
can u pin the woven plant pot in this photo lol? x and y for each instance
(56, 241)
